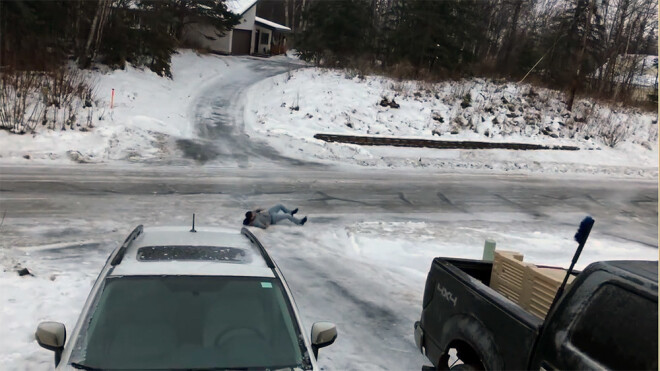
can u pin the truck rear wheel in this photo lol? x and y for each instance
(474, 345)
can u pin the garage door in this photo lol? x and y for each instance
(240, 43)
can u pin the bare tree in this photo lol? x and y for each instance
(95, 31)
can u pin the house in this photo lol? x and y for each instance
(252, 36)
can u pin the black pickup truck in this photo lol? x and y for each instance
(606, 319)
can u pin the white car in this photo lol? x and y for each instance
(173, 298)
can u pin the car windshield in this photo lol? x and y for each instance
(190, 322)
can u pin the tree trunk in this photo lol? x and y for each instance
(303, 9)
(489, 33)
(181, 16)
(622, 85)
(511, 39)
(102, 23)
(293, 17)
(286, 13)
(84, 58)
(616, 32)
(76, 28)
(578, 67)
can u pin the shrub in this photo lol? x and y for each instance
(613, 133)
(21, 108)
(50, 98)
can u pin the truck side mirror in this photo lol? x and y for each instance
(323, 334)
(52, 336)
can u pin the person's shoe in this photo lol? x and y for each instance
(294, 211)
(302, 222)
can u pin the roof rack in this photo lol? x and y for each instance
(264, 253)
(122, 250)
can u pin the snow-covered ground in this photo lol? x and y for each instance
(149, 113)
(153, 116)
(360, 261)
(366, 274)
(287, 111)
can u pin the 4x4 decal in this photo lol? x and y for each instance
(447, 294)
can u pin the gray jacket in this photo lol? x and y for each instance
(260, 219)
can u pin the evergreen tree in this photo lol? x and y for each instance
(576, 42)
(439, 34)
(45, 34)
(335, 30)
(213, 11)
(34, 34)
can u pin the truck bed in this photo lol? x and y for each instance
(478, 279)
(465, 296)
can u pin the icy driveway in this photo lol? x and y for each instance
(219, 121)
(361, 260)
(195, 117)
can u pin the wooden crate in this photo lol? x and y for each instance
(539, 288)
(508, 274)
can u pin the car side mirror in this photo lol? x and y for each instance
(52, 336)
(323, 334)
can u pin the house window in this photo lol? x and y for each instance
(264, 38)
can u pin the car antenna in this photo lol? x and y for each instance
(193, 227)
(581, 238)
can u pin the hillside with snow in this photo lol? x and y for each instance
(152, 115)
(288, 110)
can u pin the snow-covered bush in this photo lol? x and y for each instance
(614, 133)
(54, 99)
(21, 106)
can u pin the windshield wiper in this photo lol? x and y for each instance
(83, 367)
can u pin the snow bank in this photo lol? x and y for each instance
(287, 110)
(148, 112)
(56, 292)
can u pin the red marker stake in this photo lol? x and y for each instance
(112, 98)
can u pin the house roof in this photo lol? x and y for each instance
(239, 6)
(271, 24)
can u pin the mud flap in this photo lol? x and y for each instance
(419, 337)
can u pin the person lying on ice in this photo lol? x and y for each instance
(262, 219)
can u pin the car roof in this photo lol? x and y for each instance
(251, 263)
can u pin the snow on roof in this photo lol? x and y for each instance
(274, 25)
(253, 266)
(239, 6)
